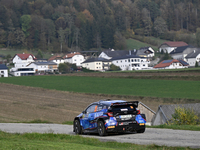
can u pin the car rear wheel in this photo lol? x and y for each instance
(101, 128)
(141, 130)
(77, 127)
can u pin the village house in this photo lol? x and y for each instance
(74, 58)
(96, 64)
(168, 47)
(193, 57)
(22, 60)
(3, 70)
(131, 62)
(145, 52)
(181, 52)
(57, 59)
(43, 67)
(171, 64)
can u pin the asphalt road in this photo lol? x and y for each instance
(167, 137)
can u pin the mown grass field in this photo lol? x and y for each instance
(63, 142)
(135, 44)
(114, 86)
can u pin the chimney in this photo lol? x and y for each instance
(194, 51)
(129, 52)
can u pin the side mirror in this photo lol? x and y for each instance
(83, 112)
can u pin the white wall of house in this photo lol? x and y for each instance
(166, 49)
(58, 61)
(132, 63)
(178, 56)
(24, 72)
(97, 65)
(76, 59)
(3, 73)
(192, 61)
(176, 65)
(18, 62)
(39, 68)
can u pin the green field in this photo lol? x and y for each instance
(64, 142)
(135, 44)
(114, 86)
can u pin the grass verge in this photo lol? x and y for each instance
(61, 141)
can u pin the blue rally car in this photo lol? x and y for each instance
(108, 116)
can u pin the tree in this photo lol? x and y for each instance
(61, 38)
(120, 41)
(198, 37)
(196, 64)
(39, 54)
(64, 67)
(25, 24)
(114, 68)
(160, 26)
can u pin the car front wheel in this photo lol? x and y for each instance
(101, 128)
(77, 127)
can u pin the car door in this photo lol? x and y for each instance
(88, 117)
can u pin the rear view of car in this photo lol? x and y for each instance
(108, 116)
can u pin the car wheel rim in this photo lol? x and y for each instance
(76, 127)
(100, 128)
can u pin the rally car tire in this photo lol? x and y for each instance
(101, 128)
(77, 127)
(141, 130)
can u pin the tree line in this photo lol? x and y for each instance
(81, 25)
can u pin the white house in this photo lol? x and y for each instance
(145, 52)
(3, 70)
(22, 60)
(25, 71)
(74, 58)
(96, 64)
(170, 46)
(42, 67)
(57, 59)
(131, 62)
(181, 52)
(172, 64)
(193, 57)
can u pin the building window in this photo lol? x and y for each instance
(2, 71)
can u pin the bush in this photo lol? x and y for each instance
(184, 116)
(114, 68)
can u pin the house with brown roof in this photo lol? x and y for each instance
(22, 60)
(74, 58)
(57, 59)
(170, 46)
(171, 64)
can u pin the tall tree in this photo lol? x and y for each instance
(25, 24)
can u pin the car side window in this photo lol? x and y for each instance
(91, 109)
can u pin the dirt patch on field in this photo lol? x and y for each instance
(165, 75)
(22, 104)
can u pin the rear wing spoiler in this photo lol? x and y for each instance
(131, 103)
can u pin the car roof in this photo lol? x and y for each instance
(109, 102)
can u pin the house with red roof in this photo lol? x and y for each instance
(171, 64)
(22, 60)
(56, 59)
(74, 58)
(170, 46)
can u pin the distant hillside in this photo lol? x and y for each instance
(65, 25)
